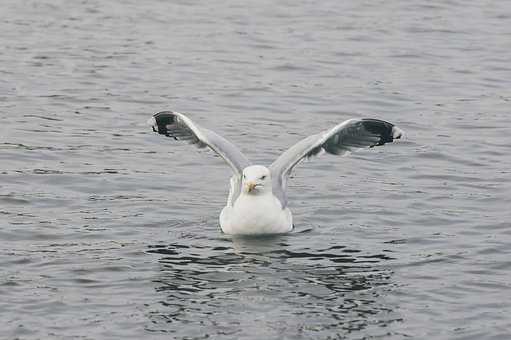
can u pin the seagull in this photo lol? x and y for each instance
(257, 201)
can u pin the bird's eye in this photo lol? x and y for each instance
(263, 177)
(244, 176)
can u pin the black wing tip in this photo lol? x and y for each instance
(387, 131)
(161, 120)
(164, 113)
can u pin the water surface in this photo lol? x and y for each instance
(110, 231)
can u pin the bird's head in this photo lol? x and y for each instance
(256, 179)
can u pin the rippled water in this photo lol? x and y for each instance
(110, 231)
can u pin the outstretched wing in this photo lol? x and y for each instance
(180, 127)
(348, 136)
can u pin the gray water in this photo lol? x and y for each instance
(109, 231)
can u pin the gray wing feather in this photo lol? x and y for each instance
(178, 126)
(345, 137)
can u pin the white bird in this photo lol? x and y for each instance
(257, 202)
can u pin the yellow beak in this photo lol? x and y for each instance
(250, 186)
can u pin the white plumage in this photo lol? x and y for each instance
(256, 210)
(257, 202)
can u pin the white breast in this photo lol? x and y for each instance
(256, 214)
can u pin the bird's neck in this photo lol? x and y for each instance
(257, 194)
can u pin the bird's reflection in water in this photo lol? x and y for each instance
(268, 286)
